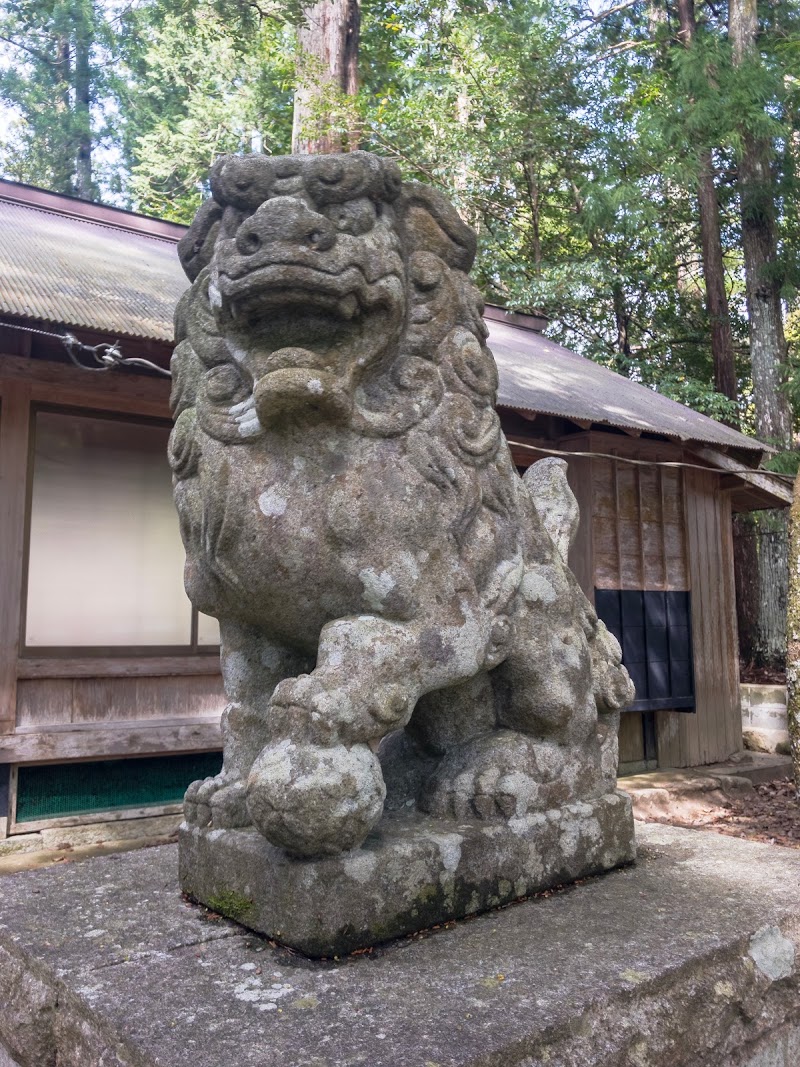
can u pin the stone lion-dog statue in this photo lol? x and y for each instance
(394, 600)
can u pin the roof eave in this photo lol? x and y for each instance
(758, 447)
(22, 322)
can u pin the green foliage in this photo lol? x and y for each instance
(568, 150)
(570, 134)
(54, 72)
(196, 85)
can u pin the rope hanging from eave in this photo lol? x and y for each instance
(107, 357)
(650, 462)
(104, 356)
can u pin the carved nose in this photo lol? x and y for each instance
(289, 221)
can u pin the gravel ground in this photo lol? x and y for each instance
(771, 813)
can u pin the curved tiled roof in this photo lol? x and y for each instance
(85, 265)
(82, 272)
(539, 376)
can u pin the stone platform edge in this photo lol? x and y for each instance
(412, 872)
(688, 958)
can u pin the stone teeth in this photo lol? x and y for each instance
(349, 306)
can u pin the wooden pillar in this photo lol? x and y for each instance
(14, 437)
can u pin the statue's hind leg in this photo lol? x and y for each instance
(545, 751)
(455, 715)
(442, 720)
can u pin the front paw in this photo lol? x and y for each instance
(318, 709)
(218, 802)
(315, 801)
(301, 709)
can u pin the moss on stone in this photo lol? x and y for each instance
(229, 902)
(428, 892)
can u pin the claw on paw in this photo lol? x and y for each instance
(491, 778)
(216, 801)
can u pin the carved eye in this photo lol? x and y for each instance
(355, 217)
(250, 242)
(223, 383)
(426, 270)
(329, 170)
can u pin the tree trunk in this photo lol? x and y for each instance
(767, 342)
(748, 587)
(761, 568)
(793, 636)
(62, 145)
(773, 572)
(714, 277)
(530, 170)
(622, 322)
(327, 67)
(84, 186)
(759, 246)
(713, 265)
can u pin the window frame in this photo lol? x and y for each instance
(108, 652)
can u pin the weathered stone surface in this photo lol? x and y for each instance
(152, 826)
(5, 1059)
(662, 963)
(413, 872)
(764, 726)
(352, 515)
(20, 843)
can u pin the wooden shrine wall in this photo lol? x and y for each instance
(75, 705)
(663, 528)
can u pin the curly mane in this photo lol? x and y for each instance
(438, 384)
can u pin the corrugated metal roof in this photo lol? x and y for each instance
(83, 273)
(539, 376)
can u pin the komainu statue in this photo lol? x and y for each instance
(395, 606)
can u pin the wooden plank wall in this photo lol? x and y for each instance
(714, 732)
(639, 538)
(639, 520)
(85, 707)
(48, 701)
(14, 434)
(631, 739)
(670, 528)
(580, 474)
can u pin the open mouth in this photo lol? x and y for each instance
(279, 286)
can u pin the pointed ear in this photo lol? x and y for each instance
(432, 224)
(196, 247)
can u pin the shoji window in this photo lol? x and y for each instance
(105, 559)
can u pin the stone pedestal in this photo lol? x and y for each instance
(687, 958)
(411, 873)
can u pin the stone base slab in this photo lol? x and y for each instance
(412, 873)
(688, 958)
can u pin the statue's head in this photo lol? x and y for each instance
(324, 287)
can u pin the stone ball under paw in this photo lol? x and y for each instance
(313, 800)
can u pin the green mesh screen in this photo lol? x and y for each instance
(56, 790)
